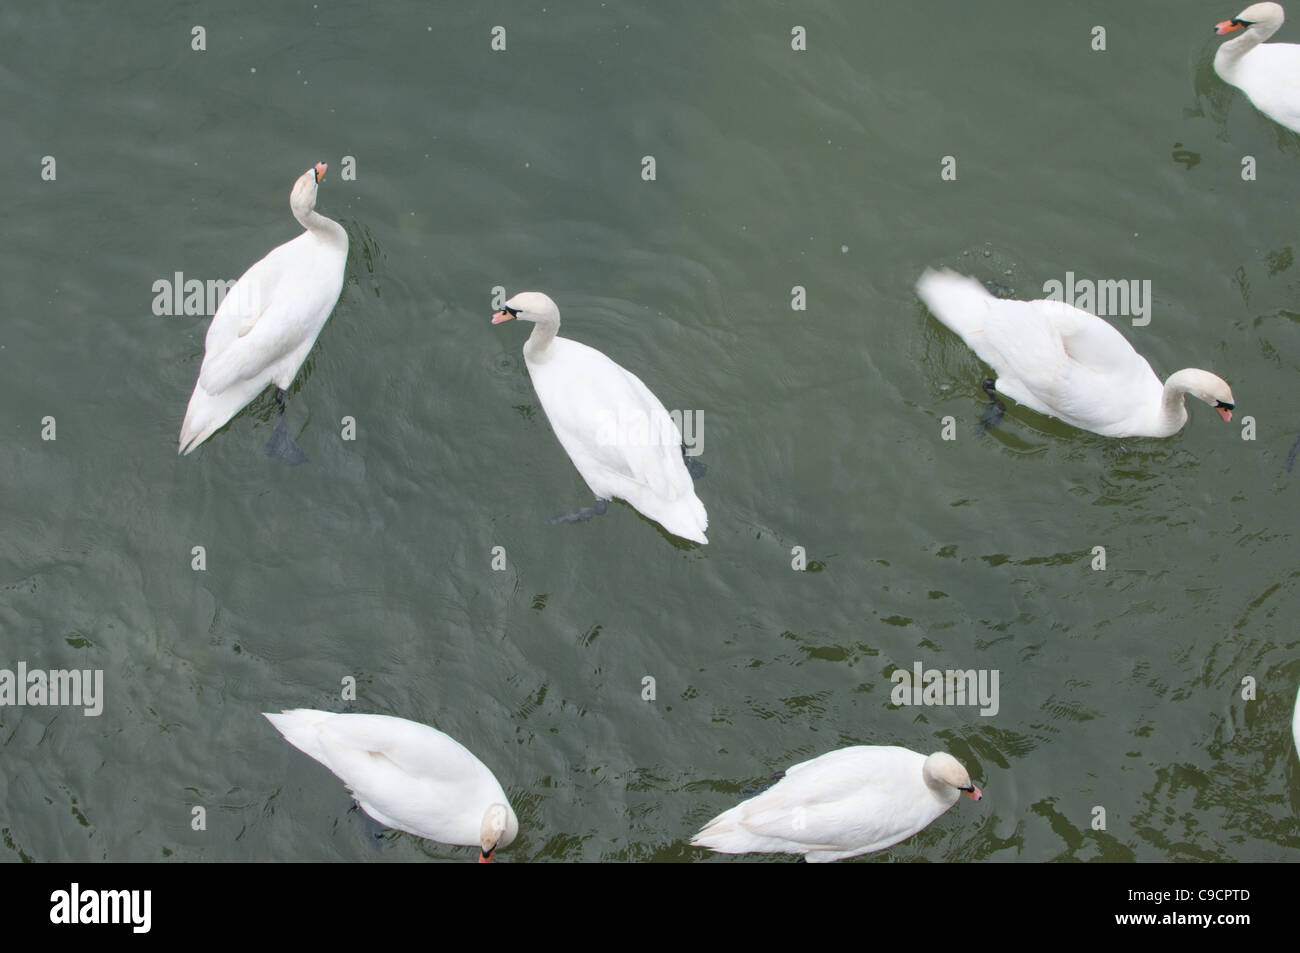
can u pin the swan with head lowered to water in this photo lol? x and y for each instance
(407, 776)
(616, 432)
(1062, 361)
(845, 803)
(267, 323)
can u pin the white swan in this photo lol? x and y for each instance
(269, 319)
(614, 429)
(407, 776)
(1295, 725)
(1062, 361)
(848, 802)
(1269, 74)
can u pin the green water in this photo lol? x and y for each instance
(774, 168)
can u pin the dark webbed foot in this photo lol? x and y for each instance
(694, 465)
(1290, 457)
(372, 828)
(992, 415)
(580, 516)
(281, 446)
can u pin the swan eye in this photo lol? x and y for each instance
(1236, 22)
(513, 312)
(1224, 404)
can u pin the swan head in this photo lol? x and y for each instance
(496, 831)
(303, 197)
(943, 771)
(528, 306)
(1267, 16)
(1211, 388)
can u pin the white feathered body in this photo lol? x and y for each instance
(618, 435)
(264, 329)
(1053, 357)
(1269, 75)
(1295, 725)
(848, 802)
(405, 775)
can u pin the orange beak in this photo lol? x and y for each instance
(1225, 413)
(974, 793)
(486, 858)
(501, 316)
(320, 171)
(1228, 26)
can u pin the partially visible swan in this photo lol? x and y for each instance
(614, 429)
(848, 802)
(1269, 74)
(408, 776)
(1062, 361)
(1295, 725)
(269, 319)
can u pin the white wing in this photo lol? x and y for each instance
(847, 802)
(1050, 356)
(406, 775)
(618, 435)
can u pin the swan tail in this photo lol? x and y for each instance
(684, 516)
(199, 426)
(729, 833)
(720, 834)
(207, 414)
(301, 728)
(688, 520)
(668, 498)
(959, 302)
(201, 422)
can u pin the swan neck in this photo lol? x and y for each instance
(544, 331)
(324, 228)
(1232, 51)
(1173, 412)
